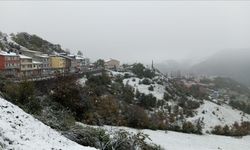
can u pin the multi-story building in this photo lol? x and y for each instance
(68, 61)
(46, 64)
(37, 68)
(82, 63)
(73, 67)
(58, 63)
(9, 63)
(111, 64)
(26, 69)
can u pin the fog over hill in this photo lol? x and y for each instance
(232, 63)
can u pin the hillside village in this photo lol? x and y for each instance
(19, 62)
(134, 96)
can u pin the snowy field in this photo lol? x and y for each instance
(181, 141)
(20, 131)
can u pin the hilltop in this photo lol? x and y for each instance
(28, 41)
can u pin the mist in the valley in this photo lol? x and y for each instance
(191, 35)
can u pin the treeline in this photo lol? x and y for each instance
(240, 105)
(236, 129)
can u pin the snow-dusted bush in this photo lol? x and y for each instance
(151, 88)
(235, 130)
(112, 140)
(146, 81)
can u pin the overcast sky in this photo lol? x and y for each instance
(133, 31)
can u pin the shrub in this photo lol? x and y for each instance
(166, 96)
(137, 117)
(128, 94)
(69, 94)
(141, 71)
(99, 80)
(192, 104)
(188, 127)
(104, 110)
(115, 140)
(56, 116)
(151, 88)
(87, 136)
(147, 101)
(235, 130)
(146, 81)
(23, 95)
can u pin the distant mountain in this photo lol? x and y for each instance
(170, 65)
(174, 67)
(227, 63)
(36, 43)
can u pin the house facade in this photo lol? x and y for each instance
(37, 68)
(58, 63)
(82, 63)
(111, 64)
(26, 69)
(9, 63)
(46, 64)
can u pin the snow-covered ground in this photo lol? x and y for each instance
(181, 141)
(82, 81)
(20, 131)
(214, 114)
(158, 91)
(117, 73)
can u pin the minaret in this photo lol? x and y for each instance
(152, 65)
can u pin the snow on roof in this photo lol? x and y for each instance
(36, 62)
(7, 53)
(79, 57)
(110, 59)
(24, 57)
(67, 57)
(24, 132)
(43, 56)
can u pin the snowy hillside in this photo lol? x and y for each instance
(213, 114)
(20, 131)
(181, 141)
(210, 113)
(158, 91)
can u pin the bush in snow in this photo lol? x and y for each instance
(56, 116)
(70, 95)
(241, 105)
(137, 117)
(87, 136)
(146, 81)
(151, 88)
(235, 130)
(103, 110)
(128, 94)
(23, 95)
(147, 101)
(158, 120)
(166, 96)
(112, 140)
(189, 127)
(142, 71)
